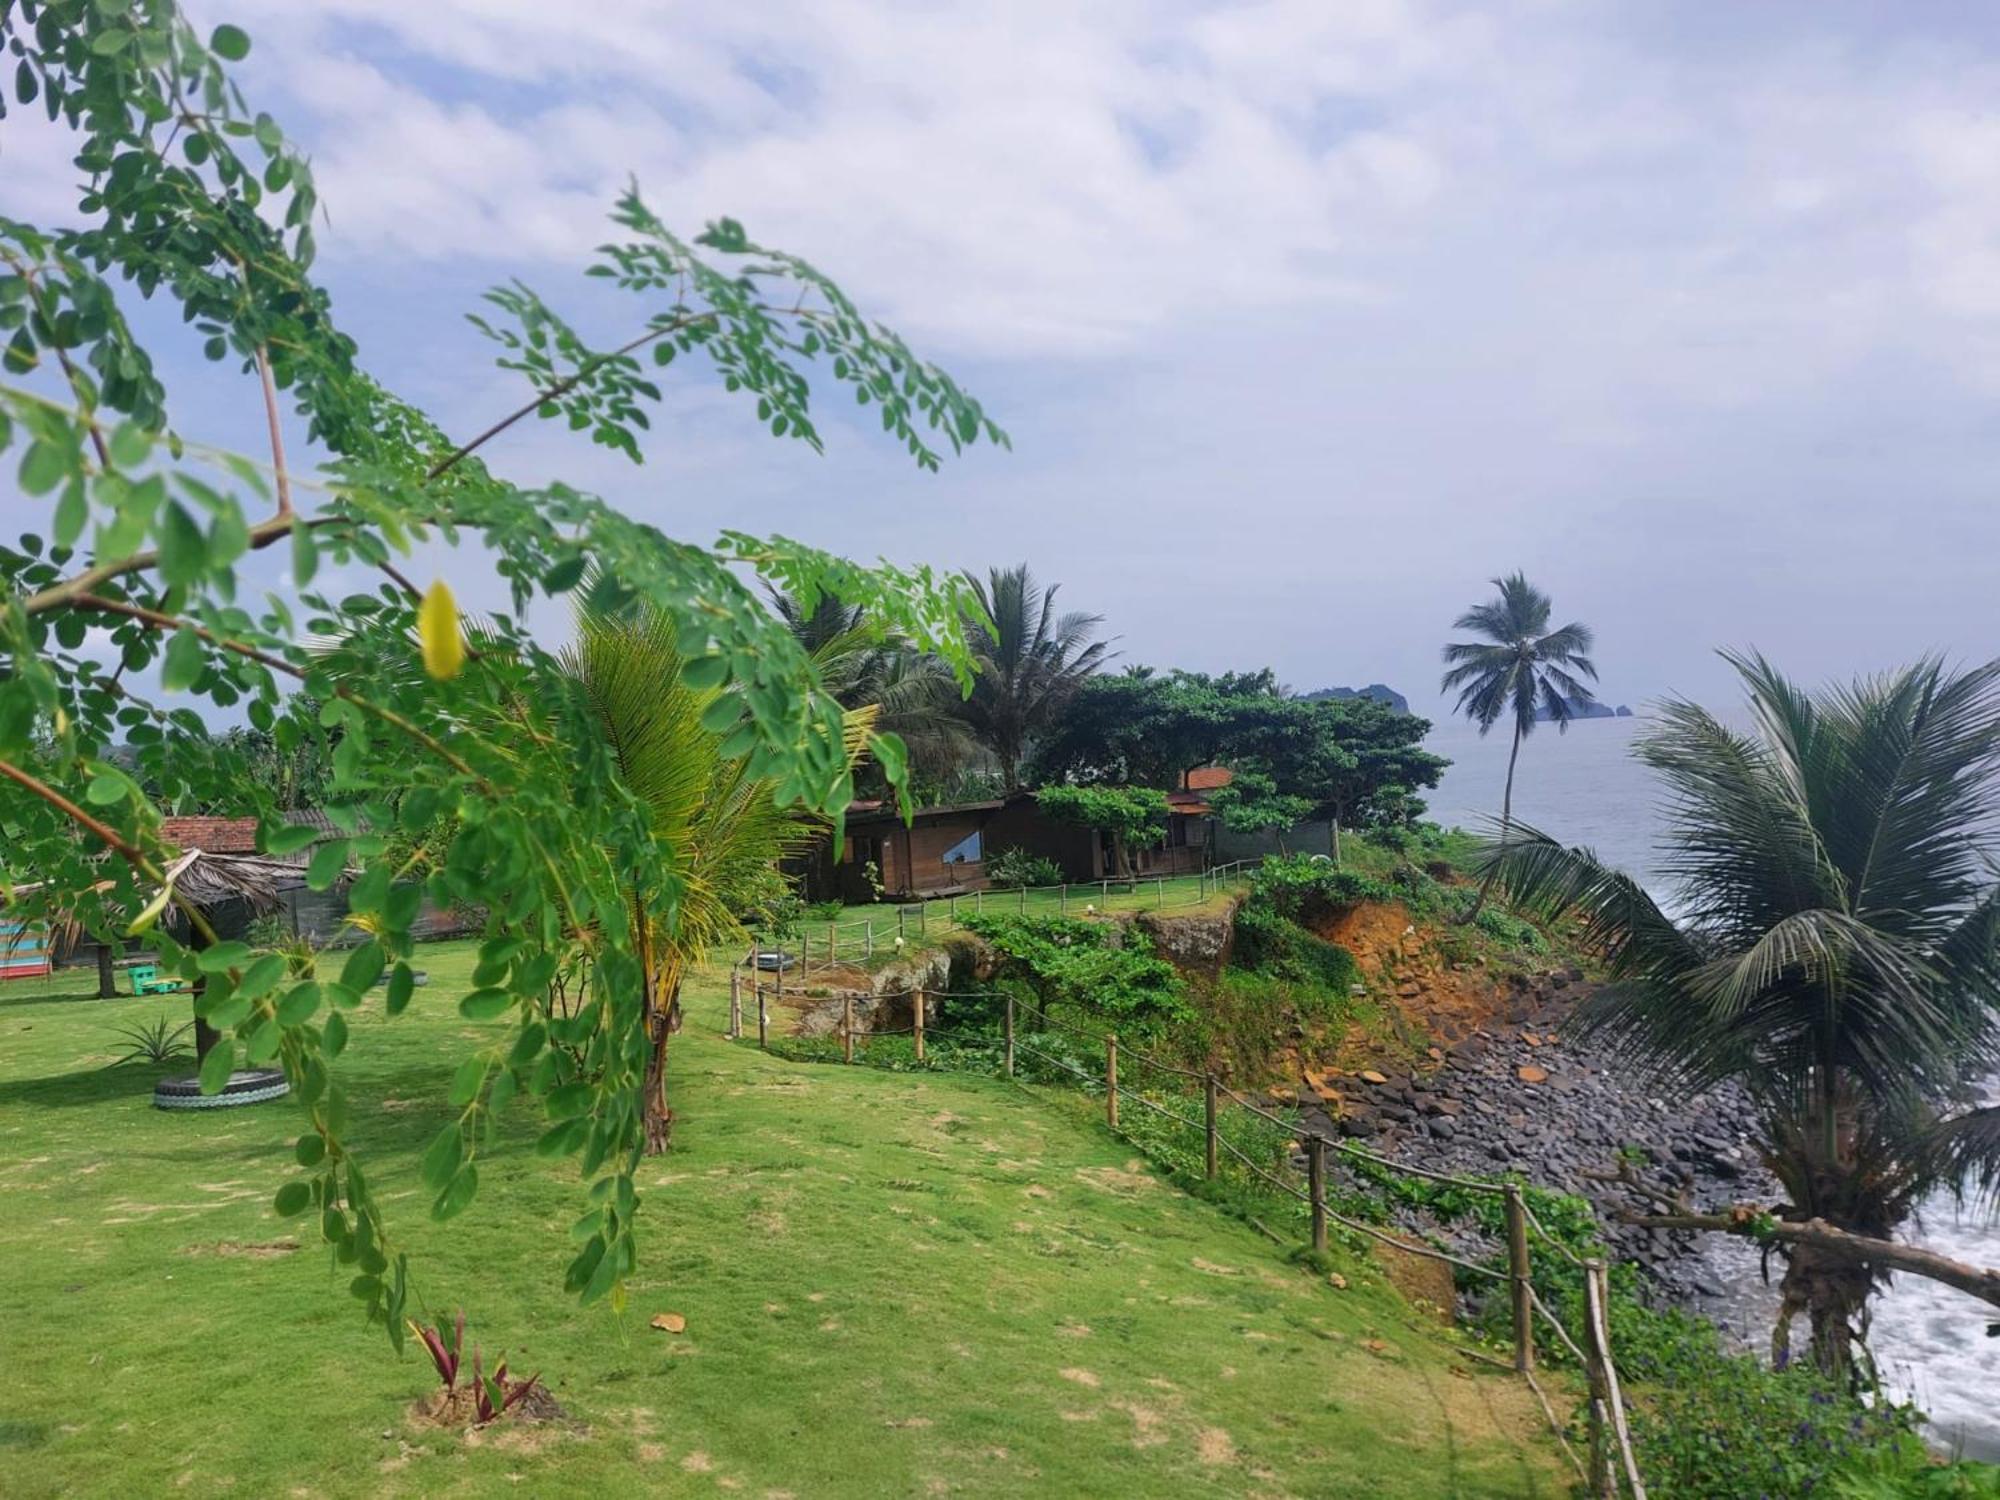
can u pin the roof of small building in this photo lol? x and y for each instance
(1209, 778)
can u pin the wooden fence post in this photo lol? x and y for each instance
(1518, 1269)
(1024, 900)
(1009, 1033)
(1062, 898)
(871, 934)
(1208, 1110)
(901, 913)
(847, 1028)
(951, 909)
(1104, 895)
(1160, 892)
(735, 1002)
(923, 918)
(1609, 1431)
(979, 903)
(1603, 1465)
(1111, 1079)
(917, 1011)
(1316, 1185)
(832, 942)
(763, 1016)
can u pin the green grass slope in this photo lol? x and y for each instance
(893, 1285)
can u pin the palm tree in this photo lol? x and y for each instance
(913, 693)
(720, 829)
(1831, 946)
(1522, 669)
(1030, 661)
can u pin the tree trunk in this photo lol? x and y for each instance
(1832, 1290)
(107, 975)
(1506, 825)
(659, 1115)
(1334, 824)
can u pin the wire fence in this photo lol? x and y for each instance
(811, 946)
(1092, 1061)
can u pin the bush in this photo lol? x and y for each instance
(1274, 945)
(826, 911)
(1299, 885)
(1077, 964)
(1007, 869)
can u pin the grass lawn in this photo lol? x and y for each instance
(1176, 895)
(893, 1285)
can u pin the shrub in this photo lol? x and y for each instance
(1007, 869)
(159, 1042)
(826, 911)
(1272, 944)
(1299, 885)
(1093, 967)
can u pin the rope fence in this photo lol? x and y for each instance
(1610, 1469)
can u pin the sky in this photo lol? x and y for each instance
(1305, 319)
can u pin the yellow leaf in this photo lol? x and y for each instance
(670, 1322)
(437, 628)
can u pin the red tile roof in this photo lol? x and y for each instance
(1208, 778)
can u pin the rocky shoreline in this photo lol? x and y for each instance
(1520, 1094)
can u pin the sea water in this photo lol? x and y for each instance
(1585, 787)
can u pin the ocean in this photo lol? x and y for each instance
(1585, 787)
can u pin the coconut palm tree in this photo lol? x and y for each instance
(914, 694)
(1828, 941)
(1522, 669)
(720, 829)
(1030, 662)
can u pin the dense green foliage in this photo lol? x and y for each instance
(1009, 869)
(1133, 816)
(209, 575)
(1100, 970)
(1353, 762)
(1831, 946)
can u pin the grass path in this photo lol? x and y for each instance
(893, 1285)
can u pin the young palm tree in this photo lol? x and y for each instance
(719, 828)
(1521, 669)
(1030, 661)
(1831, 946)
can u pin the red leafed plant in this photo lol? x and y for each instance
(491, 1395)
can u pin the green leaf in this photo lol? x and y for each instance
(305, 556)
(333, 1035)
(310, 1150)
(363, 967)
(262, 976)
(289, 839)
(130, 444)
(218, 1065)
(228, 954)
(564, 576)
(183, 549)
(441, 1158)
(457, 1193)
(294, 1198)
(466, 1081)
(484, 1005)
(329, 860)
(402, 983)
(300, 1005)
(107, 788)
(230, 43)
(72, 514)
(183, 661)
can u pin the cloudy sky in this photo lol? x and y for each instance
(1305, 318)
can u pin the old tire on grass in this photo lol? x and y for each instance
(252, 1086)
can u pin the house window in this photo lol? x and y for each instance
(861, 851)
(965, 852)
